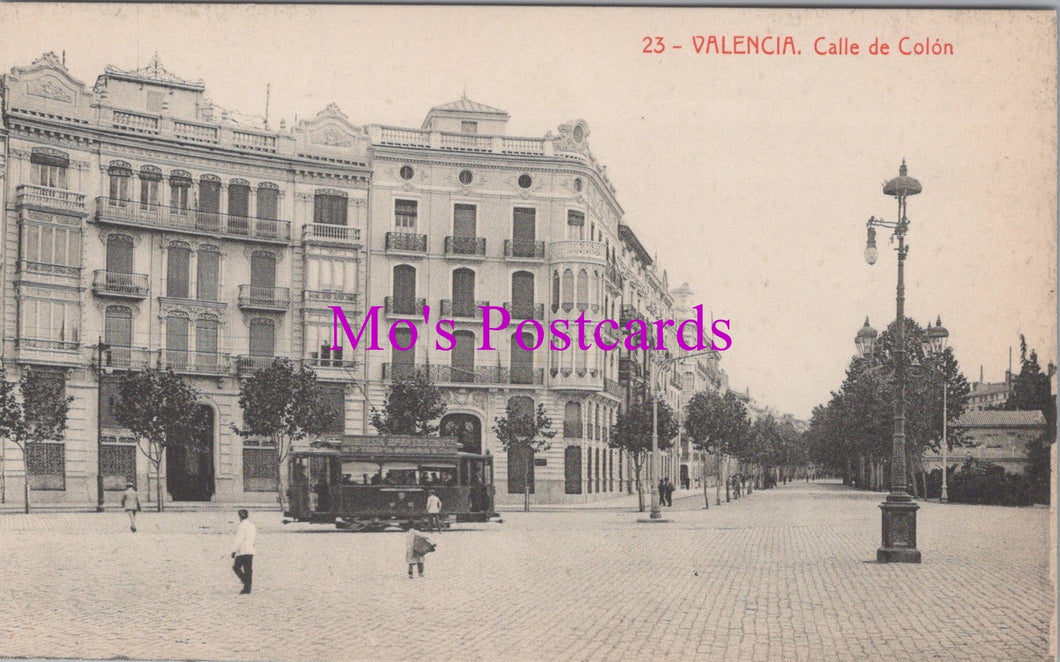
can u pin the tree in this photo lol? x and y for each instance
(716, 424)
(285, 406)
(161, 410)
(40, 416)
(1032, 390)
(524, 432)
(632, 433)
(412, 404)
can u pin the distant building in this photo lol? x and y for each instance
(996, 436)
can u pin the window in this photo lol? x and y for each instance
(263, 271)
(262, 337)
(406, 172)
(525, 181)
(572, 420)
(49, 167)
(466, 177)
(178, 265)
(260, 470)
(118, 326)
(332, 275)
(404, 292)
(239, 198)
(50, 324)
(405, 215)
(583, 289)
(329, 208)
(568, 290)
(524, 232)
(403, 362)
(575, 225)
(52, 245)
(206, 335)
(120, 173)
(464, 220)
(468, 127)
(572, 470)
(210, 194)
(522, 360)
(150, 176)
(463, 293)
(268, 201)
(463, 357)
(523, 295)
(207, 273)
(555, 291)
(177, 337)
(179, 186)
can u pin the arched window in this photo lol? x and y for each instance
(583, 289)
(119, 256)
(572, 420)
(522, 361)
(206, 335)
(119, 173)
(268, 201)
(463, 357)
(403, 299)
(463, 293)
(555, 291)
(568, 290)
(179, 186)
(117, 329)
(150, 176)
(522, 295)
(208, 273)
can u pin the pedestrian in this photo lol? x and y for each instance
(434, 509)
(669, 492)
(417, 546)
(662, 491)
(130, 501)
(243, 553)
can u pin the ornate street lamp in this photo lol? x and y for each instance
(865, 340)
(934, 344)
(899, 510)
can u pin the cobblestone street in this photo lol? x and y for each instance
(783, 574)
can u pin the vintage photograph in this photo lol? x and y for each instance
(527, 333)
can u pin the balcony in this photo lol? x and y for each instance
(480, 375)
(629, 370)
(350, 302)
(333, 362)
(462, 309)
(465, 246)
(252, 297)
(524, 250)
(48, 352)
(582, 379)
(401, 307)
(577, 251)
(127, 358)
(525, 311)
(614, 277)
(44, 197)
(248, 365)
(195, 363)
(117, 284)
(332, 235)
(612, 387)
(129, 213)
(406, 242)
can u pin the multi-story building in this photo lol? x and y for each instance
(144, 226)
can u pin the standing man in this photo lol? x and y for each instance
(243, 552)
(130, 502)
(434, 508)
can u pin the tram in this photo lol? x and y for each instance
(366, 483)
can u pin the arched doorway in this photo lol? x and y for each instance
(189, 462)
(465, 427)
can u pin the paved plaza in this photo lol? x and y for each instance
(783, 574)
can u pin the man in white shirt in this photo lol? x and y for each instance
(434, 508)
(243, 552)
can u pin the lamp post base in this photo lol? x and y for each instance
(899, 531)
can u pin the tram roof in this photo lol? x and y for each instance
(389, 445)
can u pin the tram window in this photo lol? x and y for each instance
(438, 476)
(359, 473)
(399, 474)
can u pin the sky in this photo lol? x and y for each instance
(750, 177)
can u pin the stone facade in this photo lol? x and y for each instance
(144, 226)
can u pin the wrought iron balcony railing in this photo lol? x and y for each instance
(128, 212)
(406, 241)
(462, 309)
(118, 284)
(195, 363)
(473, 246)
(525, 311)
(483, 375)
(402, 306)
(253, 297)
(515, 248)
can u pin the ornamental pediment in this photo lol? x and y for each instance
(47, 84)
(331, 132)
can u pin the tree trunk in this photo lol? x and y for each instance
(279, 485)
(158, 481)
(25, 482)
(640, 489)
(703, 478)
(717, 478)
(526, 482)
